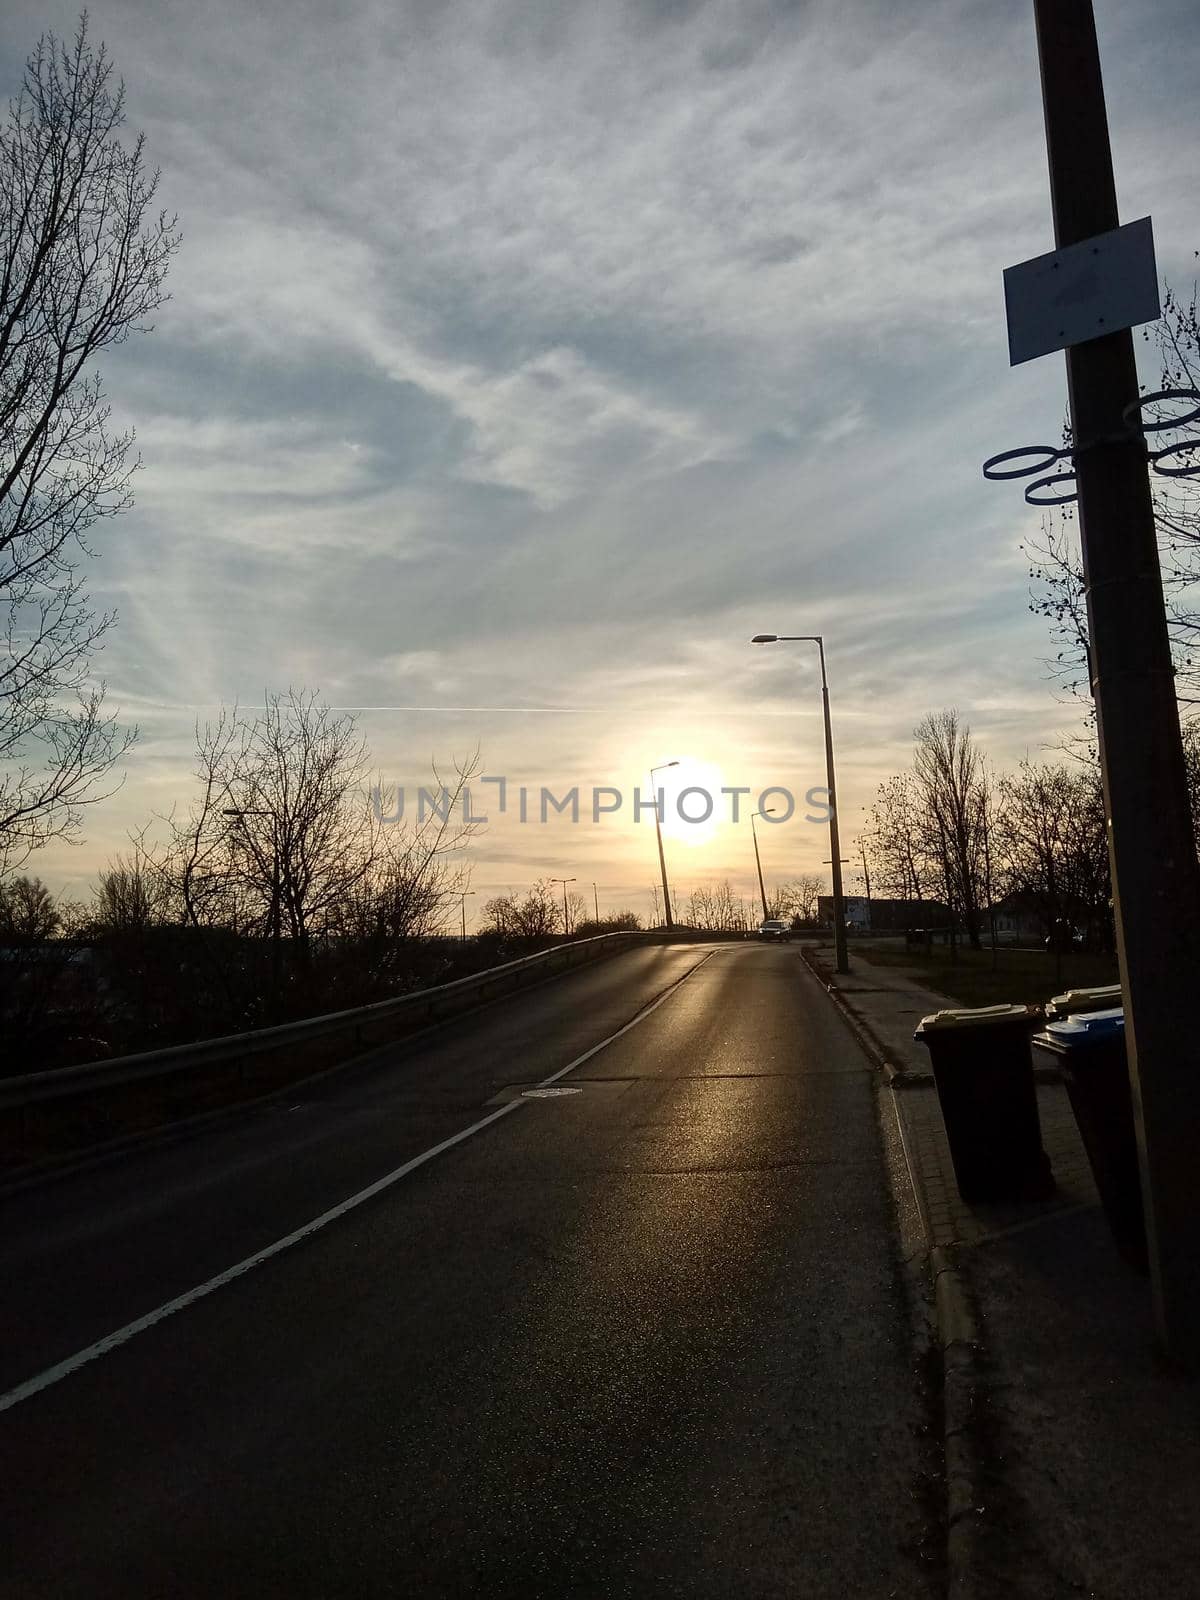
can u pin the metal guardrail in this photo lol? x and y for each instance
(423, 1005)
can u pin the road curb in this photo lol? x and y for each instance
(958, 1335)
(896, 1076)
(958, 1339)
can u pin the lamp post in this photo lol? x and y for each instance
(464, 895)
(765, 812)
(566, 917)
(862, 850)
(842, 962)
(662, 860)
(596, 901)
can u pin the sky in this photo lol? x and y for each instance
(524, 359)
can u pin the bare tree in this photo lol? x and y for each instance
(895, 842)
(1055, 563)
(28, 914)
(280, 835)
(797, 897)
(417, 872)
(1056, 568)
(577, 911)
(130, 895)
(1177, 500)
(499, 916)
(717, 909)
(536, 916)
(286, 850)
(33, 965)
(1053, 846)
(948, 773)
(82, 264)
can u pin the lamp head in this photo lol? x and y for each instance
(765, 638)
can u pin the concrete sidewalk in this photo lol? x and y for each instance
(1073, 1460)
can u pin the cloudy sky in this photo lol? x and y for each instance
(525, 357)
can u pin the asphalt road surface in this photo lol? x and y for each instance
(645, 1337)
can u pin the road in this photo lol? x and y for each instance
(648, 1337)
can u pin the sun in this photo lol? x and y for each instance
(693, 802)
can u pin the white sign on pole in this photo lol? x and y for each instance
(1083, 292)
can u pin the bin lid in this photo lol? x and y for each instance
(1090, 1027)
(977, 1017)
(1100, 999)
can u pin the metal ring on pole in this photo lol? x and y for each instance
(1175, 449)
(1136, 406)
(1047, 451)
(1033, 499)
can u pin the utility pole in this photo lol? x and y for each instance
(596, 901)
(765, 812)
(841, 959)
(659, 795)
(1155, 878)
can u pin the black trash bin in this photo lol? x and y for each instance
(983, 1069)
(1091, 1056)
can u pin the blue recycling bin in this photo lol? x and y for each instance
(1090, 1048)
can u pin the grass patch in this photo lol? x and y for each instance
(971, 978)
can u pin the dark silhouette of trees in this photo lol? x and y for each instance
(717, 909)
(28, 914)
(948, 775)
(285, 851)
(614, 922)
(797, 898)
(1052, 845)
(535, 915)
(952, 829)
(129, 897)
(895, 840)
(83, 260)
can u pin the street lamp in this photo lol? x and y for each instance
(464, 895)
(662, 860)
(566, 917)
(839, 913)
(765, 812)
(596, 901)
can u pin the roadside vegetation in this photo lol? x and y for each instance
(987, 978)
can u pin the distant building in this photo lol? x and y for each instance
(886, 916)
(1018, 917)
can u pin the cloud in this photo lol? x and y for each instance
(535, 355)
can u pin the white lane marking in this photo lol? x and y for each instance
(112, 1341)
